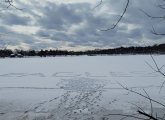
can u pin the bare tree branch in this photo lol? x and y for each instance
(141, 113)
(162, 67)
(150, 66)
(150, 102)
(10, 4)
(158, 70)
(137, 106)
(98, 4)
(155, 63)
(147, 115)
(161, 6)
(140, 94)
(127, 116)
(124, 11)
(156, 33)
(150, 16)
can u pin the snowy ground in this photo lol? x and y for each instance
(77, 88)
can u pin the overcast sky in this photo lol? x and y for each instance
(75, 25)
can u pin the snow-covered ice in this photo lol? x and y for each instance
(77, 88)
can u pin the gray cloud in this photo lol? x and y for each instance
(60, 17)
(78, 24)
(14, 19)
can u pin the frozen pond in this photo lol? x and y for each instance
(78, 88)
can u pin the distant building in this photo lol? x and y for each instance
(12, 55)
(16, 55)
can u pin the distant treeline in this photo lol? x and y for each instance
(155, 49)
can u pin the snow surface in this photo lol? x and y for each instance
(77, 88)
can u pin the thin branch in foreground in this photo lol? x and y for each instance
(158, 70)
(10, 4)
(150, 102)
(162, 67)
(161, 6)
(154, 17)
(155, 63)
(127, 116)
(140, 111)
(124, 11)
(101, 1)
(150, 16)
(147, 115)
(140, 94)
(162, 86)
(150, 66)
(156, 33)
(136, 106)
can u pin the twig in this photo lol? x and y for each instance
(98, 4)
(162, 67)
(128, 116)
(155, 101)
(155, 63)
(161, 6)
(150, 16)
(158, 70)
(147, 115)
(156, 33)
(150, 66)
(10, 4)
(124, 115)
(150, 102)
(137, 106)
(124, 11)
